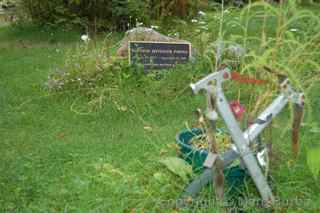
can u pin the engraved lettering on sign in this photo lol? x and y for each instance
(158, 55)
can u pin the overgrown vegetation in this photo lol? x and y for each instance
(116, 14)
(266, 33)
(105, 15)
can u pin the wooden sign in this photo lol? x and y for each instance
(158, 55)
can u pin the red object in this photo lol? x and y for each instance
(226, 75)
(246, 80)
(237, 109)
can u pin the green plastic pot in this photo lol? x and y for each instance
(235, 175)
(191, 154)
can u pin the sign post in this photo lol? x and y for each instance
(158, 55)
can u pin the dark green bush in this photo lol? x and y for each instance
(95, 14)
(106, 14)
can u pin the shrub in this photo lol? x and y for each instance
(102, 14)
(106, 14)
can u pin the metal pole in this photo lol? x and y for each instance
(243, 149)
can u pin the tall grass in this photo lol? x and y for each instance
(280, 37)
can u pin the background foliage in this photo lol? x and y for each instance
(105, 14)
(110, 15)
(82, 13)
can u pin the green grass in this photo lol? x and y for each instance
(48, 151)
(53, 159)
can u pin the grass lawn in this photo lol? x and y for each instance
(49, 153)
(53, 159)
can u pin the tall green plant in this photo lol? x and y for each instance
(280, 37)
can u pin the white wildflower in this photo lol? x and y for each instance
(85, 38)
(194, 20)
(154, 27)
(201, 13)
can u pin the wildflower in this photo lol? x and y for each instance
(201, 13)
(154, 27)
(194, 20)
(85, 38)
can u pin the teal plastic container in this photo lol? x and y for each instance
(191, 154)
(235, 176)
